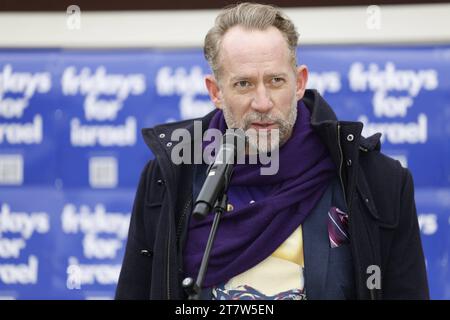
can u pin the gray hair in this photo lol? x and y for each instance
(251, 16)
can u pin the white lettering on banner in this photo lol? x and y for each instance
(428, 224)
(103, 135)
(100, 248)
(325, 82)
(18, 133)
(24, 83)
(100, 82)
(390, 106)
(187, 85)
(16, 90)
(397, 132)
(95, 84)
(22, 222)
(105, 94)
(93, 223)
(10, 248)
(25, 273)
(87, 221)
(180, 82)
(104, 274)
(407, 85)
(13, 108)
(101, 109)
(391, 79)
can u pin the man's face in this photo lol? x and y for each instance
(258, 87)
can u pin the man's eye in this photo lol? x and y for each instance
(277, 80)
(242, 84)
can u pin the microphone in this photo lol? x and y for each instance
(219, 172)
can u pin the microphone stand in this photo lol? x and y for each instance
(202, 208)
(194, 288)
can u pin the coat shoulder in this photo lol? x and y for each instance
(374, 162)
(388, 183)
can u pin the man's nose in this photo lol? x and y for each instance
(262, 101)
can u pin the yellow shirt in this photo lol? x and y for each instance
(279, 276)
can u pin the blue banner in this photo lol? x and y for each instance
(71, 150)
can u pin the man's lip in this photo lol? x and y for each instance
(263, 125)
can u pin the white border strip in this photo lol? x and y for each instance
(326, 25)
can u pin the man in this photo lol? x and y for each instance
(336, 221)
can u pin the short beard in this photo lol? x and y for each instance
(267, 141)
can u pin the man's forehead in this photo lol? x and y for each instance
(239, 41)
(246, 48)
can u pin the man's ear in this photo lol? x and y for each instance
(302, 79)
(214, 91)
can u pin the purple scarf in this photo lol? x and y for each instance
(247, 236)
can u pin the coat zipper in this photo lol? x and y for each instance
(341, 161)
(180, 223)
(372, 292)
(168, 246)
